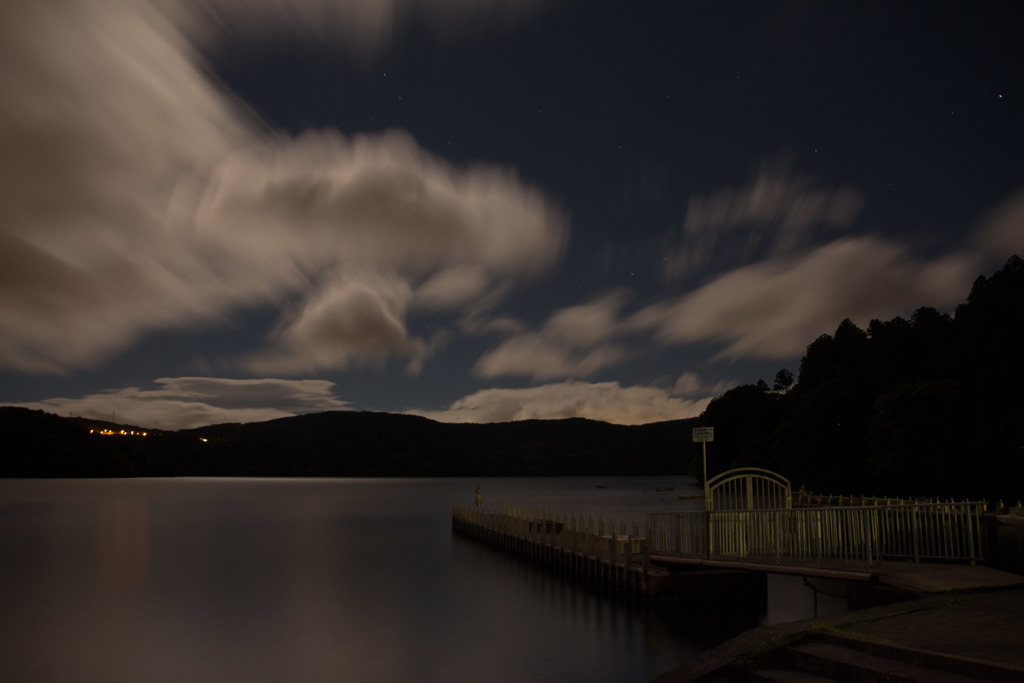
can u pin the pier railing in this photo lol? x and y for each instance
(559, 529)
(855, 537)
(938, 531)
(609, 555)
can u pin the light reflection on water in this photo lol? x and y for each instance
(332, 580)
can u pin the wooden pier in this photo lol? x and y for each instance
(750, 527)
(672, 560)
(609, 558)
(596, 556)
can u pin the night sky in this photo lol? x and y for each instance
(483, 210)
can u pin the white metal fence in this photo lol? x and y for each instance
(837, 536)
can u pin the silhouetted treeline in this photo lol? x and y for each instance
(343, 444)
(931, 406)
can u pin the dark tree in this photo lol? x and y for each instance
(744, 419)
(917, 439)
(820, 439)
(783, 380)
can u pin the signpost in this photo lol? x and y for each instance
(702, 435)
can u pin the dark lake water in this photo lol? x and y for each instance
(327, 580)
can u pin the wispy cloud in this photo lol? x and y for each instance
(1001, 231)
(770, 309)
(141, 195)
(777, 212)
(605, 401)
(394, 228)
(186, 402)
(576, 341)
(362, 27)
(689, 384)
(138, 194)
(775, 308)
(106, 113)
(351, 321)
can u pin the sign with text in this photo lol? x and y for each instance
(703, 434)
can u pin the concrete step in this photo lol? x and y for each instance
(853, 665)
(788, 676)
(971, 667)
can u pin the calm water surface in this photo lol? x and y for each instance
(325, 580)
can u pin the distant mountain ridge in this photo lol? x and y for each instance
(343, 444)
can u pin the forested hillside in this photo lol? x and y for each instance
(930, 406)
(342, 444)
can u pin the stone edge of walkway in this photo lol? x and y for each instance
(761, 640)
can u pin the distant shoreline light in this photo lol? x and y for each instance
(111, 432)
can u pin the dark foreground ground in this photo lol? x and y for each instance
(949, 637)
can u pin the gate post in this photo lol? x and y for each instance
(709, 543)
(915, 530)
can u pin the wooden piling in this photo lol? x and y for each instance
(614, 563)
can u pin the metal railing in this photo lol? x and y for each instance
(570, 532)
(807, 499)
(856, 537)
(680, 534)
(938, 531)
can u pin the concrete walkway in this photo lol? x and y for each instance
(922, 578)
(916, 577)
(979, 628)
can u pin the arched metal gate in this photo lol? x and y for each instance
(749, 488)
